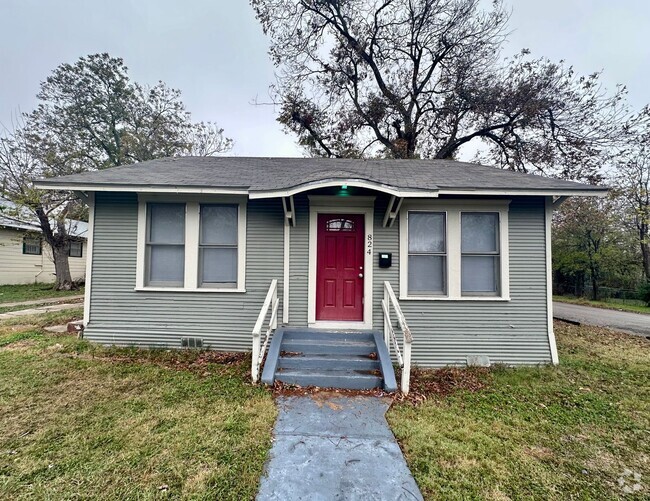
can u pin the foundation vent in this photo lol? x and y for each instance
(191, 342)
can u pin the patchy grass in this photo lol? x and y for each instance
(81, 421)
(8, 309)
(576, 431)
(609, 304)
(28, 292)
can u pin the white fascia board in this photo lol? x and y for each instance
(140, 188)
(532, 193)
(356, 183)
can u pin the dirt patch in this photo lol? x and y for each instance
(316, 392)
(201, 362)
(425, 384)
(22, 345)
(431, 383)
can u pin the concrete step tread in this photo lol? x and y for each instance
(330, 373)
(330, 342)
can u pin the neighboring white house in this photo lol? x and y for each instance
(26, 258)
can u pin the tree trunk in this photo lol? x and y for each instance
(645, 251)
(62, 268)
(60, 244)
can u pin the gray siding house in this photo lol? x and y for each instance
(438, 261)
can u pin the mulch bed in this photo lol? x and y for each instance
(425, 384)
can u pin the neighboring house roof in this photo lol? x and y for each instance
(273, 177)
(25, 221)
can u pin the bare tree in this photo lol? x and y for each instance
(19, 166)
(408, 78)
(631, 180)
(92, 116)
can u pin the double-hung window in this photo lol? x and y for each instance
(191, 243)
(427, 253)
(165, 244)
(480, 261)
(218, 246)
(454, 250)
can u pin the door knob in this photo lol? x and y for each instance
(360, 275)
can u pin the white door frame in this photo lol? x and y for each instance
(341, 205)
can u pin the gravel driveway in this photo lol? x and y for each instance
(632, 323)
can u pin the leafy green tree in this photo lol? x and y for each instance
(590, 243)
(409, 78)
(631, 180)
(92, 116)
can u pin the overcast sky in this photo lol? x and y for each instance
(215, 53)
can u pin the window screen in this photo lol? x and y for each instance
(427, 253)
(76, 249)
(480, 261)
(165, 244)
(218, 246)
(32, 245)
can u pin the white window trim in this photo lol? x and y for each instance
(192, 227)
(548, 218)
(341, 205)
(89, 257)
(453, 210)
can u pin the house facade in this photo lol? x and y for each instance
(26, 258)
(188, 247)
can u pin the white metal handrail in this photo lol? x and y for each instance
(259, 348)
(390, 338)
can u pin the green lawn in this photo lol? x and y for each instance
(610, 304)
(15, 293)
(80, 421)
(576, 431)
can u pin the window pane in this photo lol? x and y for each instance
(339, 225)
(426, 274)
(426, 231)
(218, 225)
(167, 264)
(479, 274)
(479, 231)
(32, 246)
(167, 223)
(75, 249)
(218, 265)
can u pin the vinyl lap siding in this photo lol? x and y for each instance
(445, 332)
(514, 332)
(120, 315)
(299, 263)
(19, 268)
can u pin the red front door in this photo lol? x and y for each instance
(339, 267)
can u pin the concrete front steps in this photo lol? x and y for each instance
(357, 360)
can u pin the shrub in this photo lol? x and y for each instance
(644, 293)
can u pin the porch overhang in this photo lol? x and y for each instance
(355, 183)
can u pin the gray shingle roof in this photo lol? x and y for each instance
(262, 175)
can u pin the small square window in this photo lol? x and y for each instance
(76, 249)
(33, 246)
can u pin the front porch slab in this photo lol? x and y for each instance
(331, 447)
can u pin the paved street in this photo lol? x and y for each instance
(633, 323)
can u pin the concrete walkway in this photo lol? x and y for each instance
(331, 447)
(624, 321)
(49, 300)
(39, 310)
